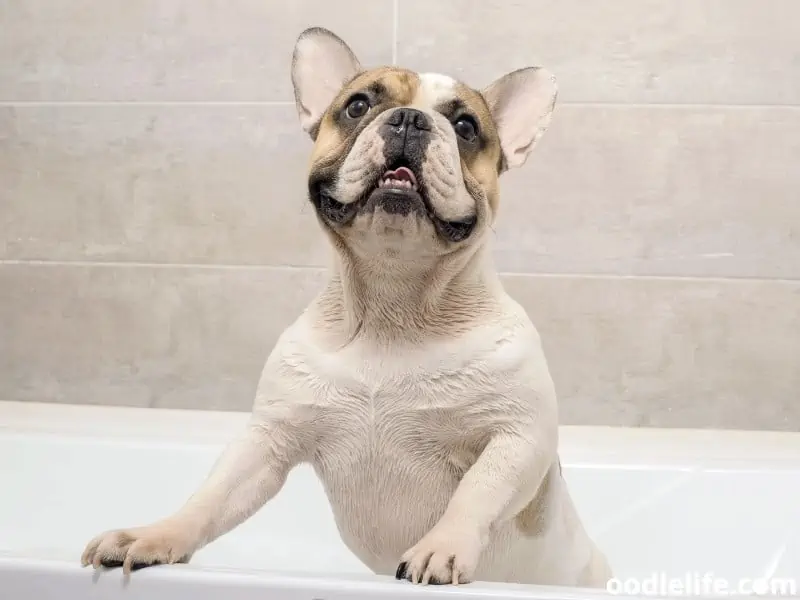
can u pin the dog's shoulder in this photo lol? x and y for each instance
(510, 336)
(500, 355)
(503, 342)
(512, 359)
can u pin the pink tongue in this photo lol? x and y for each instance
(401, 173)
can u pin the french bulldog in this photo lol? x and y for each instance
(413, 384)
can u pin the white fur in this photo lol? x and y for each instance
(387, 428)
(434, 89)
(442, 169)
(419, 391)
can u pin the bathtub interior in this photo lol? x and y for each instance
(666, 502)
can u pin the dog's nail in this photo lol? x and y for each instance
(401, 571)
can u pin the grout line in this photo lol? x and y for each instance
(395, 27)
(256, 267)
(152, 265)
(36, 104)
(650, 277)
(678, 105)
(269, 103)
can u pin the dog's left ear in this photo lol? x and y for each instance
(521, 104)
(321, 64)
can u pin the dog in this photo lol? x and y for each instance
(413, 384)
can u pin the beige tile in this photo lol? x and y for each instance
(173, 50)
(162, 184)
(136, 336)
(669, 353)
(657, 190)
(652, 190)
(694, 51)
(623, 351)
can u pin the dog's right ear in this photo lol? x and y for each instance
(321, 64)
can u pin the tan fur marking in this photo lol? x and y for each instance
(483, 165)
(329, 145)
(400, 84)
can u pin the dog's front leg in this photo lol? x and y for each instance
(250, 471)
(499, 485)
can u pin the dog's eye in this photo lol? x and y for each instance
(357, 107)
(466, 128)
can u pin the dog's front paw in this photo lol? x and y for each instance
(140, 547)
(441, 557)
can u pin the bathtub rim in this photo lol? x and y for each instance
(263, 584)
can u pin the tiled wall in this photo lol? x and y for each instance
(155, 239)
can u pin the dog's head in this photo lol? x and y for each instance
(407, 164)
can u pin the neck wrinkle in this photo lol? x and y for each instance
(402, 300)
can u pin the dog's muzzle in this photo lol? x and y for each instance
(400, 189)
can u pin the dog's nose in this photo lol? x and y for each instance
(406, 133)
(409, 118)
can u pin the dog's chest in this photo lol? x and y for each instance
(411, 403)
(396, 432)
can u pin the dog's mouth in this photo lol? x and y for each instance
(397, 191)
(402, 178)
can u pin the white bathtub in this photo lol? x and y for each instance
(706, 508)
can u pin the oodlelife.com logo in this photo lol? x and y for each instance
(697, 584)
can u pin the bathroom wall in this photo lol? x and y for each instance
(155, 237)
